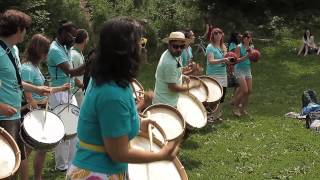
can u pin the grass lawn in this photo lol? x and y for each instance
(264, 145)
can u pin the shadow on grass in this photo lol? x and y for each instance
(190, 144)
(189, 164)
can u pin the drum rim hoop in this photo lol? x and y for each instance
(171, 108)
(204, 85)
(67, 136)
(70, 104)
(134, 80)
(25, 131)
(203, 109)
(213, 79)
(15, 149)
(36, 144)
(178, 165)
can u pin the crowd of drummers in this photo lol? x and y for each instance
(94, 114)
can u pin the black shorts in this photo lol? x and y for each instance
(13, 128)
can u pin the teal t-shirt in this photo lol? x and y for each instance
(246, 63)
(186, 56)
(167, 72)
(10, 92)
(32, 74)
(215, 69)
(232, 46)
(107, 111)
(58, 54)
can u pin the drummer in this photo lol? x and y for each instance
(35, 53)
(169, 75)
(61, 72)
(13, 25)
(108, 117)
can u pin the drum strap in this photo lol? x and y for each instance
(92, 147)
(13, 61)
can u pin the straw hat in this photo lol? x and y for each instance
(175, 36)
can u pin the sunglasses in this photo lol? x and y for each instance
(176, 46)
(217, 32)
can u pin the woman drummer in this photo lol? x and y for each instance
(216, 63)
(36, 52)
(108, 117)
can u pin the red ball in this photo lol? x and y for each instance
(254, 55)
(233, 57)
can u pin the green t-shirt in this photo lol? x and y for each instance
(107, 111)
(10, 92)
(215, 69)
(167, 72)
(58, 54)
(32, 74)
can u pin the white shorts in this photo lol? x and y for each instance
(222, 80)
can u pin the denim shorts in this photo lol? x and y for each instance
(243, 73)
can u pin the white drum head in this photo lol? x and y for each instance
(47, 131)
(192, 110)
(201, 93)
(159, 170)
(168, 118)
(69, 116)
(7, 157)
(214, 89)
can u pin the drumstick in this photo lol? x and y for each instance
(45, 115)
(68, 103)
(150, 126)
(69, 92)
(27, 106)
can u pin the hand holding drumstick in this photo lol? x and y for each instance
(170, 150)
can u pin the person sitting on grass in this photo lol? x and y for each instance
(308, 43)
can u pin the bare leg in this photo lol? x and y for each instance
(235, 93)
(38, 162)
(246, 97)
(240, 95)
(318, 52)
(24, 168)
(301, 49)
(306, 50)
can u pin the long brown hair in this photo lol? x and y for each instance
(222, 37)
(38, 46)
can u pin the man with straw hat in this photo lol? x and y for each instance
(169, 72)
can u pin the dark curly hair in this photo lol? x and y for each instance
(118, 55)
(13, 20)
